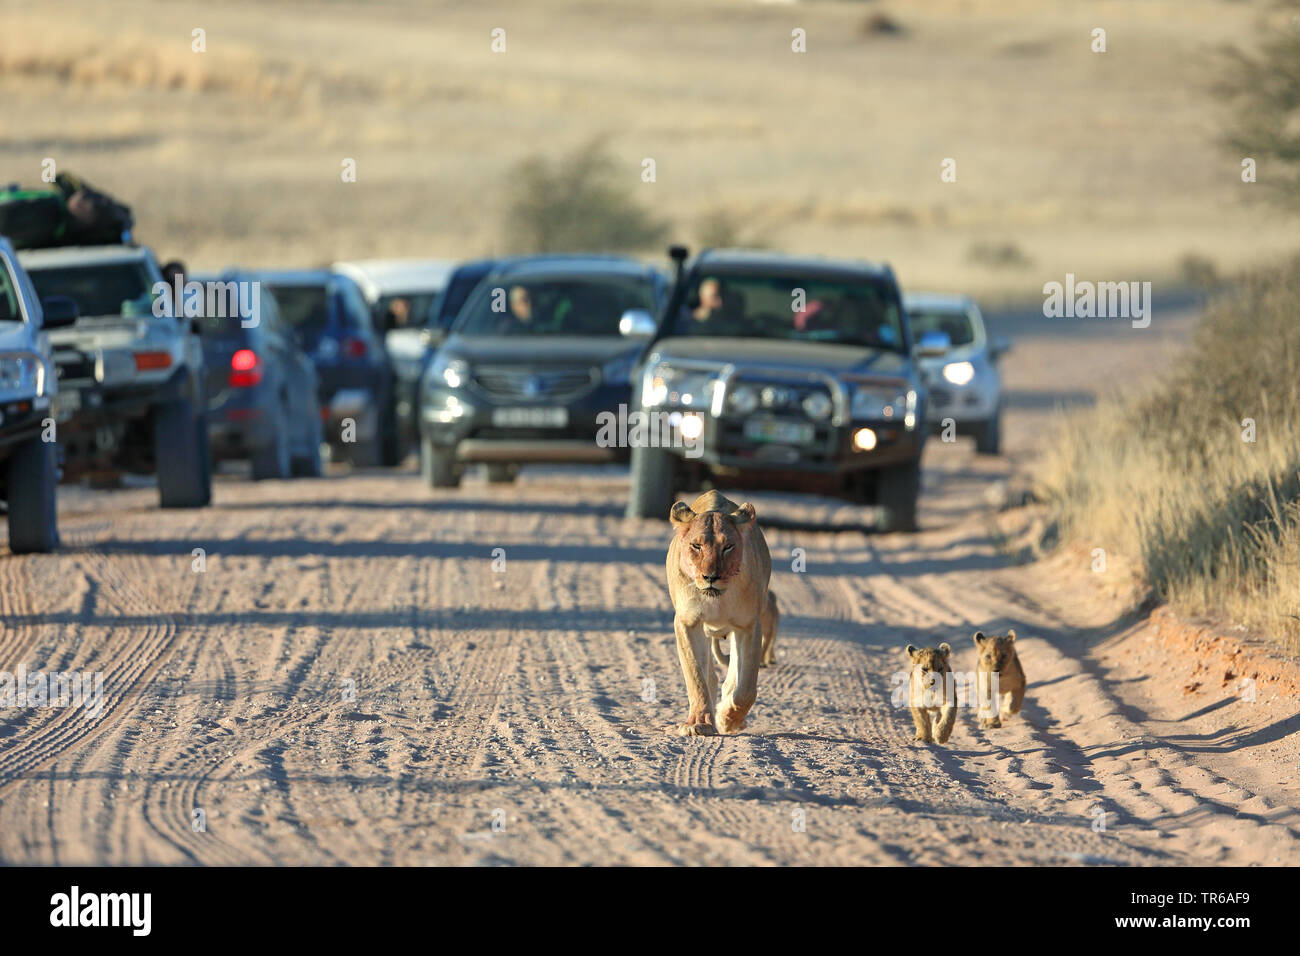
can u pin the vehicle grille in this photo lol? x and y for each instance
(530, 385)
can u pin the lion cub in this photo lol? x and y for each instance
(997, 655)
(932, 693)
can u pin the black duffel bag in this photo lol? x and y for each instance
(31, 218)
(94, 218)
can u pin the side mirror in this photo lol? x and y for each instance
(637, 324)
(432, 336)
(933, 345)
(59, 311)
(999, 346)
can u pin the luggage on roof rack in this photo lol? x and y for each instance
(73, 213)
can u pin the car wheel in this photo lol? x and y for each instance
(501, 472)
(654, 479)
(183, 457)
(272, 461)
(988, 435)
(392, 450)
(438, 465)
(896, 493)
(33, 514)
(309, 465)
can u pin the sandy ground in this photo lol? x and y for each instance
(519, 716)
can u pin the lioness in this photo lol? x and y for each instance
(718, 573)
(997, 655)
(931, 693)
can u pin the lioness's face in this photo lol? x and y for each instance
(712, 546)
(994, 651)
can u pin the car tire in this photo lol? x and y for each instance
(654, 479)
(309, 464)
(392, 450)
(184, 460)
(502, 472)
(273, 461)
(897, 490)
(988, 435)
(33, 511)
(438, 465)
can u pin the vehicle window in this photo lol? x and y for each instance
(409, 309)
(305, 307)
(220, 306)
(109, 288)
(453, 298)
(848, 312)
(957, 324)
(588, 305)
(10, 308)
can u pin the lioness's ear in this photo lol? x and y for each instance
(979, 638)
(742, 515)
(945, 649)
(1011, 635)
(910, 651)
(681, 514)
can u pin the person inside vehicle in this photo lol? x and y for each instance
(714, 312)
(518, 317)
(399, 313)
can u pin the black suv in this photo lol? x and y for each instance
(543, 346)
(786, 373)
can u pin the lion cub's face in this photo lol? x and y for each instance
(712, 545)
(929, 663)
(995, 652)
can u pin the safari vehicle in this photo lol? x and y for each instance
(541, 348)
(130, 396)
(784, 373)
(332, 320)
(262, 390)
(28, 465)
(963, 383)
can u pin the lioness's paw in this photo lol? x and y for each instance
(695, 730)
(990, 722)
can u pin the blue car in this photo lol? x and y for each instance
(261, 384)
(334, 324)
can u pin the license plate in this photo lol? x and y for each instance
(784, 433)
(530, 417)
(65, 405)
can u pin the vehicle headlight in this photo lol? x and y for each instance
(446, 372)
(17, 374)
(817, 406)
(959, 373)
(875, 401)
(743, 399)
(619, 370)
(665, 385)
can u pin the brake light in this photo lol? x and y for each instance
(147, 361)
(245, 369)
(354, 348)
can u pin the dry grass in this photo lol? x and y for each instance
(1166, 476)
(1102, 165)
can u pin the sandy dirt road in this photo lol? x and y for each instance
(519, 716)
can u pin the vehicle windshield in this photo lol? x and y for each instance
(305, 307)
(577, 305)
(957, 324)
(108, 288)
(11, 309)
(862, 312)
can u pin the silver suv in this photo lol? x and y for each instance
(131, 395)
(28, 468)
